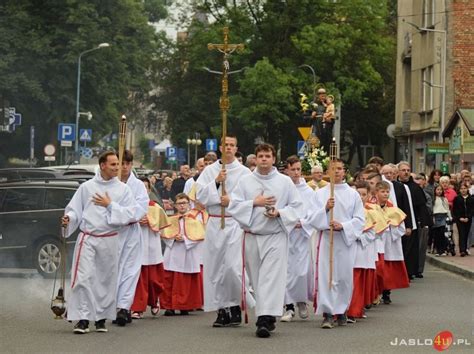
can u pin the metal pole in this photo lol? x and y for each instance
(443, 89)
(195, 153)
(189, 153)
(312, 71)
(78, 92)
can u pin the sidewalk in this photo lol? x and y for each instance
(463, 266)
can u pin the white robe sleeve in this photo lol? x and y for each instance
(294, 207)
(397, 231)
(207, 192)
(123, 212)
(317, 217)
(142, 199)
(353, 228)
(241, 209)
(367, 237)
(189, 243)
(169, 242)
(74, 211)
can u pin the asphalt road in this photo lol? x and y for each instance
(441, 301)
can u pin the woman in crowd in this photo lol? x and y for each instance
(463, 207)
(448, 191)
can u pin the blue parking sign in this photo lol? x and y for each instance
(66, 132)
(171, 151)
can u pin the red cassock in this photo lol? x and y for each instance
(379, 273)
(149, 287)
(356, 308)
(395, 275)
(182, 291)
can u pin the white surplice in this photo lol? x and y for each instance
(130, 250)
(348, 211)
(222, 271)
(182, 256)
(366, 252)
(393, 242)
(151, 244)
(95, 261)
(266, 239)
(300, 276)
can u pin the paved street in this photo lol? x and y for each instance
(440, 301)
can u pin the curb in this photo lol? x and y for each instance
(451, 267)
(19, 273)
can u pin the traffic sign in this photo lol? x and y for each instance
(181, 155)
(66, 143)
(211, 144)
(171, 151)
(87, 153)
(66, 132)
(85, 135)
(444, 167)
(49, 150)
(305, 132)
(300, 148)
(50, 158)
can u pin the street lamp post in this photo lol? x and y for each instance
(196, 141)
(312, 71)
(78, 93)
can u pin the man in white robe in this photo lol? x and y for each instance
(300, 277)
(222, 276)
(130, 249)
(100, 208)
(266, 204)
(348, 224)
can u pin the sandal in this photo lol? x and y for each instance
(137, 315)
(155, 310)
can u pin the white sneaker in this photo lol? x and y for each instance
(287, 316)
(302, 310)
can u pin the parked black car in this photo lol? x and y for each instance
(30, 230)
(14, 174)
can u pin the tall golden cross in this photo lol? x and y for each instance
(224, 103)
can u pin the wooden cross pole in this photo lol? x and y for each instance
(224, 103)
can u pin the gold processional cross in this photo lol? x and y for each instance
(224, 103)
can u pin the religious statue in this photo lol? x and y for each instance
(323, 117)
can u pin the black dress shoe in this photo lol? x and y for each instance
(184, 312)
(235, 316)
(222, 320)
(169, 313)
(262, 332)
(419, 275)
(122, 317)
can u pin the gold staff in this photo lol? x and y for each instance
(121, 142)
(224, 103)
(332, 178)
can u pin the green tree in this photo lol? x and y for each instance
(350, 44)
(41, 42)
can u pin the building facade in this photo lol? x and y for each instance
(435, 78)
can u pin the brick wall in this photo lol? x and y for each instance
(462, 19)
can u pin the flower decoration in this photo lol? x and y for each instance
(314, 155)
